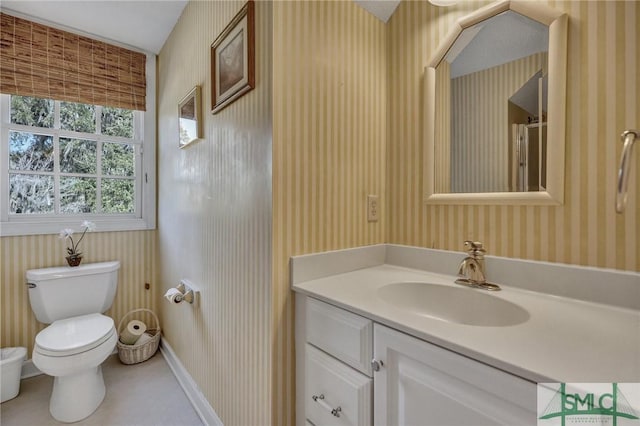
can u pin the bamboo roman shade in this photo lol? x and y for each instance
(37, 60)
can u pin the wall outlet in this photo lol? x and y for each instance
(373, 212)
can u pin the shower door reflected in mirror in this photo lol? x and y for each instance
(529, 165)
(492, 99)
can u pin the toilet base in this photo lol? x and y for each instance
(77, 396)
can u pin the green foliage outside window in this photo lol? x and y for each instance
(30, 194)
(30, 152)
(77, 195)
(117, 196)
(117, 122)
(117, 159)
(78, 117)
(77, 156)
(32, 111)
(32, 159)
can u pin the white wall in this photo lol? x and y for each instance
(214, 218)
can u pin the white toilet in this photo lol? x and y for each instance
(79, 338)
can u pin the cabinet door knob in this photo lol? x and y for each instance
(376, 364)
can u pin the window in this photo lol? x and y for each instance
(62, 161)
(68, 146)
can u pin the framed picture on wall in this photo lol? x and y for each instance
(189, 118)
(233, 60)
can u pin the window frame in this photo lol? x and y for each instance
(144, 216)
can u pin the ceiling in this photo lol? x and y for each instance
(382, 9)
(500, 39)
(140, 24)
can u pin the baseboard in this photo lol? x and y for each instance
(190, 387)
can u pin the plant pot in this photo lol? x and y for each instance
(74, 260)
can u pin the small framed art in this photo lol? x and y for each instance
(233, 59)
(190, 118)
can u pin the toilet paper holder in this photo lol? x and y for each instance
(188, 292)
(183, 292)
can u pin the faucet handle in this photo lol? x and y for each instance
(473, 245)
(479, 249)
(474, 248)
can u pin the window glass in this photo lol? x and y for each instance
(77, 117)
(66, 159)
(77, 195)
(117, 195)
(32, 111)
(77, 156)
(117, 122)
(30, 194)
(117, 159)
(30, 152)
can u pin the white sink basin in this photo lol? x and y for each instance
(462, 305)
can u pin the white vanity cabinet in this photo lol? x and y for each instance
(419, 383)
(334, 355)
(415, 382)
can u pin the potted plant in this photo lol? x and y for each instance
(75, 255)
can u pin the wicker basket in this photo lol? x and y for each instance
(133, 354)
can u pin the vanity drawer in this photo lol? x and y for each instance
(336, 394)
(346, 336)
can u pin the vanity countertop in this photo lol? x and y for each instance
(564, 339)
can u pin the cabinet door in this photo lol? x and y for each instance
(423, 384)
(336, 394)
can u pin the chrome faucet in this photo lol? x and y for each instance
(471, 270)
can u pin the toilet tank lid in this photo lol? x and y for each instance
(67, 271)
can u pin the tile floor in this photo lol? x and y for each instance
(139, 394)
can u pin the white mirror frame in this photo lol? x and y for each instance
(554, 194)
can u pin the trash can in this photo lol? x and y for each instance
(10, 371)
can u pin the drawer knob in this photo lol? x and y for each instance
(376, 364)
(320, 400)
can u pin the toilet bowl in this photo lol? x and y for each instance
(79, 338)
(72, 350)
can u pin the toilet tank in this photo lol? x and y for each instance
(64, 292)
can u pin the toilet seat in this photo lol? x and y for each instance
(74, 335)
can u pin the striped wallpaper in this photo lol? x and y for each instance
(603, 100)
(285, 170)
(329, 127)
(214, 218)
(479, 138)
(134, 249)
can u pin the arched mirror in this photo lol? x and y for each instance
(495, 108)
